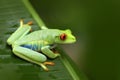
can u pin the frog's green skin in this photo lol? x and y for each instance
(26, 45)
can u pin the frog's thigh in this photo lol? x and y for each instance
(29, 55)
(48, 52)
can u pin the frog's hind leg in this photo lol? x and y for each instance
(20, 32)
(31, 56)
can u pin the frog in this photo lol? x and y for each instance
(35, 46)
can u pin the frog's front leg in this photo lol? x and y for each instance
(46, 50)
(20, 32)
(31, 56)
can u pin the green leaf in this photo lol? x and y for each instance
(14, 68)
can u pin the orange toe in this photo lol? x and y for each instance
(49, 63)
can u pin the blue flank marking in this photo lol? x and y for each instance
(33, 47)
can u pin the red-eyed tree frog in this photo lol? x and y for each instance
(26, 44)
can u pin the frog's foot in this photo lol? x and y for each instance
(54, 51)
(43, 65)
(30, 23)
(49, 63)
(22, 22)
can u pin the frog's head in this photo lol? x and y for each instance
(65, 36)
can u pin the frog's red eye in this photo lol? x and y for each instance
(63, 36)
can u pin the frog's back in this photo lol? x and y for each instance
(39, 35)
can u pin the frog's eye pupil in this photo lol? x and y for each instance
(63, 36)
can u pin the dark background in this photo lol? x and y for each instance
(96, 24)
